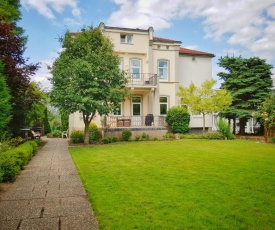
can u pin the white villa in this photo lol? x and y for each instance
(155, 68)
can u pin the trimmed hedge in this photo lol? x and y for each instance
(77, 136)
(214, 136)
(12, 161)
(178, 119)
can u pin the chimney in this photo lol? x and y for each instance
(151, 31)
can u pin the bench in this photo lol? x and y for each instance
(36, 135)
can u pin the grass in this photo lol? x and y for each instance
(185, 184)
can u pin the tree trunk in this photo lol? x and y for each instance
(203, 129)
(234, 126)
(242, 125)
(86, 133)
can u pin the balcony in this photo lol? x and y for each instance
(144, 80)
(148, 121)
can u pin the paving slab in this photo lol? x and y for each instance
(48, 194)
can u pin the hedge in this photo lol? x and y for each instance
(12, 161)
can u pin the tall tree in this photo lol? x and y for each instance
(5, 106)
(16, 70)
(9, 10)
(46, 123)
(204, 100)
(267, 113)
(64, 120)
(86, 76)
(38, 97)
(249, 82)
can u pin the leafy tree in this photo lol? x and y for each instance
(86, 76)
(204, 100)
(249, 82)
(36, 112)
(178, 119)
(9, 9)
(47, 127)
(267, 113)
(16, 70)
(9, 13)
(5, 106)
(64, 120)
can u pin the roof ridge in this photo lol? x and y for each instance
(164, 39)
(194, 52)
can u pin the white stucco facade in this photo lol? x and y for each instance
(156, 67)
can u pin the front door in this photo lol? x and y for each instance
(136, 111)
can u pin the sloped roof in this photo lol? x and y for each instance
(194, 52)
(158, 39)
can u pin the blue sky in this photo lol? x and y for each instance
(221, 27)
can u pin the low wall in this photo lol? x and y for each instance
(152, 132)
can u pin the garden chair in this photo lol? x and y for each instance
(65, 134)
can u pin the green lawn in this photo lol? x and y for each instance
(185, 184)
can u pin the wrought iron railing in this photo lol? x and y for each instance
(141, 79)
(133, 121)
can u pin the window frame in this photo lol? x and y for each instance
(167, 69)
(128, 38)
(164, 103)
(133, 67)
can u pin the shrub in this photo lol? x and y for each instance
(77, 137)
(138, 137)
(169, 136)
(144, 137)
(155, 139)
(1, 175)
(115, 139)
(214, 136)
(37, 141)
(126, 135)
(106, 140)
(57, 133)
(94, 133)
(224, 129)
(4, 146)
(9, 167)
(13, 160)
(190, 136)
(273, 140)
(178, 119)
(14, 142)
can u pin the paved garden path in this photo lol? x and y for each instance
(48, 194)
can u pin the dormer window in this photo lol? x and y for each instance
(126, 38)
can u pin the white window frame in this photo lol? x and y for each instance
(163, 68)
(163, 103)
(135, 67)
(126, 38)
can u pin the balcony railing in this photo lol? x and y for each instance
(141, 79)
(134, 121)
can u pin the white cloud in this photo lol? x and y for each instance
(48, 8)
(249, 24)
(43, 74)
(191, 47)
(72, 22)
